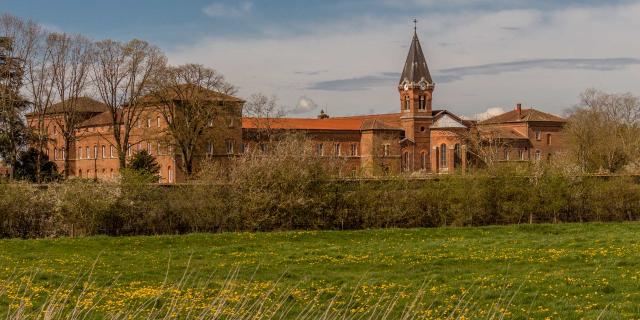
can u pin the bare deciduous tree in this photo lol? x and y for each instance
(122, 74)
(190, 98)
(70, 63)
(39, 88)
(263, 111)
(602, 131)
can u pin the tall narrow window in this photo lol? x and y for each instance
(55, 153)
(423, 160)
(64, 154)
(422, 106)
(104, 151)
(129, 150)
(149, 148)
(337, 151)
(548, 139)
(111, 153)
(148, 122)
(354, 149)
(386, 150)
(522, 157)
(87, 153)
(159, 151)
(506, 153)
(230, 146)
(210, 148)
(443, 156)
(158, 122)
(538, 155)
(538, 135)
(79, 156)
(320, 149)
(95, 152)
(170, 174)
(406, 103)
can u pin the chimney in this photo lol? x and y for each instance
(519, 110)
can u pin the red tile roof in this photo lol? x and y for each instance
(527, 115)
(353, 123)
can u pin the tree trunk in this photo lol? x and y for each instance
(67, 158)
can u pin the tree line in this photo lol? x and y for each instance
(40, 69)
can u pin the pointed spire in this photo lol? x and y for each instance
(415, 68)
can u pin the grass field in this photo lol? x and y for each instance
(541, 271)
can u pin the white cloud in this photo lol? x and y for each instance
(223, 10)
(304, 105)
(364, 46)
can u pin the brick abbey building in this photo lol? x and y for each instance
(416, 139)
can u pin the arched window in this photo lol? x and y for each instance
(443, 155)
(87, 153)
(111, 153)
(55, 153)
(79, 153)
(423, 160)
(170, 174)
(95, 152)
(158, 122)
(422, 106)
(104, 151)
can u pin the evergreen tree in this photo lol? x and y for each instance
(144, 163)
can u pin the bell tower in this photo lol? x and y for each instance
(416, 93)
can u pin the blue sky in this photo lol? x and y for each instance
(346, 55)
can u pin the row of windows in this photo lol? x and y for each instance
(92, 153)
(229, 147)
(113, 175)
(337, 149)
(422, 103)
(522, 154)
(538, 134)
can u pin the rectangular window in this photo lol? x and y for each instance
(64, 154)
(336, 150)
(230, 145)
(158, 151)
(79, 152)
(386, 150)
(149, 148)
(148, 122)
(548, 139)
(320, 149)
(406, 103)
(95, 152)
(158, 122)
(55, 153)
(538, 135)
(87, 153)
(538, 155)
(354, 149)
(521, 154)
(104, 152)
(111, 153)
(506, 153)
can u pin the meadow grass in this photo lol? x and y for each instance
(566, 271)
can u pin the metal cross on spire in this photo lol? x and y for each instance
(415, 25)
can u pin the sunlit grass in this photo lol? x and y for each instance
(561, 271)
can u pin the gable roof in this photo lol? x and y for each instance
(500, 133)
(415, 68)
(441, 115)
(526, 115)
